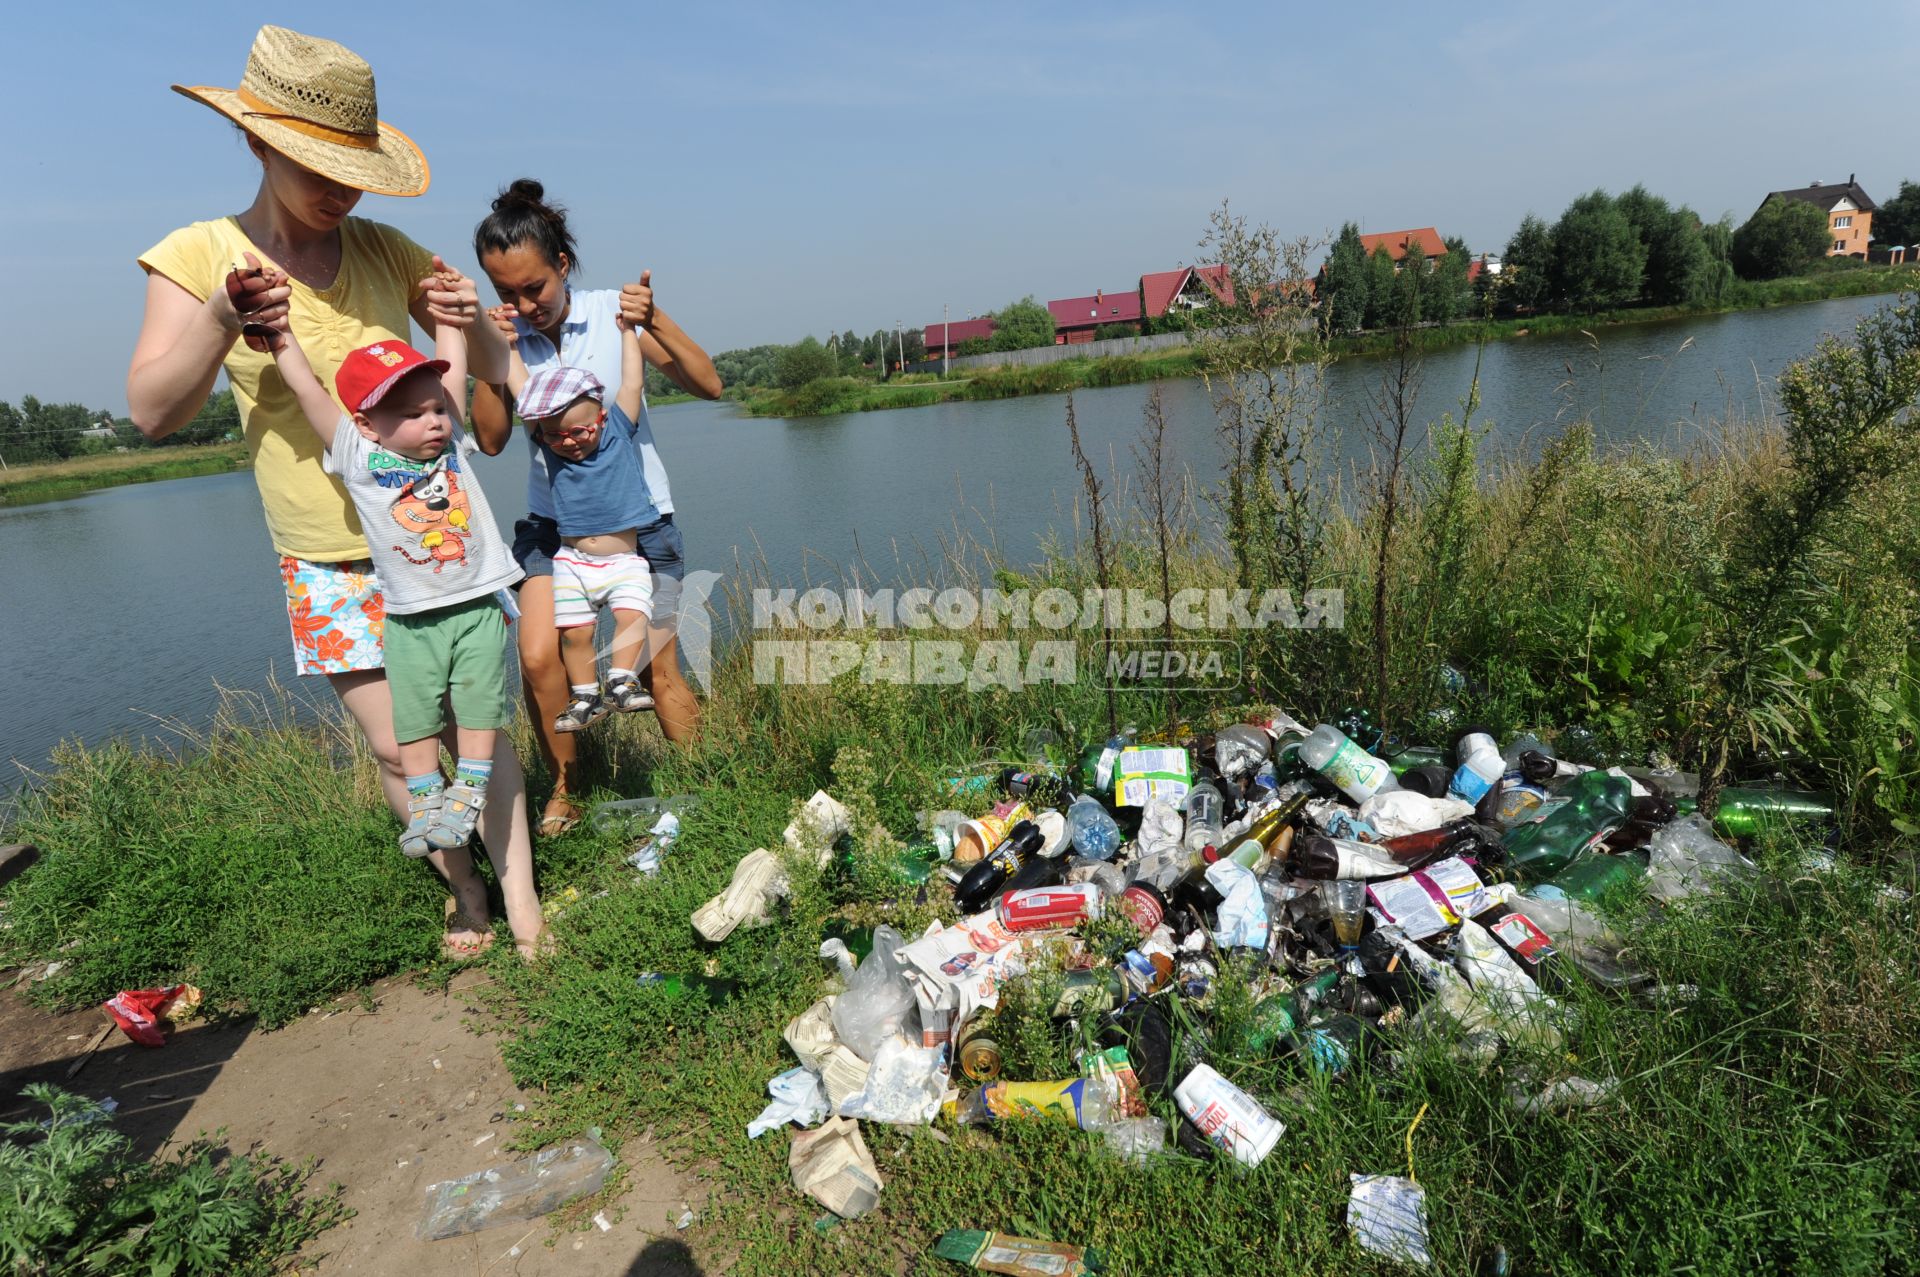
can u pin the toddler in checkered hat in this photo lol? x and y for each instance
(601, 501)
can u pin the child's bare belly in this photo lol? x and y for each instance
(627, 542)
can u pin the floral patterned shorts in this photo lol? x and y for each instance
(337, 615)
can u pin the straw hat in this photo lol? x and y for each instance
(312, 100)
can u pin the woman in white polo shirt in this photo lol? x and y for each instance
(527, 251)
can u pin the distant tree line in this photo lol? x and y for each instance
(33, 431)
(1604, 251)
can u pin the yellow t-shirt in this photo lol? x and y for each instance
(308, 513)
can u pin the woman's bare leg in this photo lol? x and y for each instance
(673, 701)
(364, 694)
(545, 680)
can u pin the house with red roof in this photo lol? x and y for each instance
(1398, 244)
(945, 339)
(1077, 319)
(1189, 288)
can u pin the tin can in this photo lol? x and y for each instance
(980, 1056)
(1143, 903)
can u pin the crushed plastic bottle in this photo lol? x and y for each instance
(516, 1192)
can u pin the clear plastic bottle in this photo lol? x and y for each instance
(1206, 816)
(1095, 833)
(1357, 774)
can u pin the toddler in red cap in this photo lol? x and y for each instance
(402, 455)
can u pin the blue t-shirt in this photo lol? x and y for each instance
(606, 491)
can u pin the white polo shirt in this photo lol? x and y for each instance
(590, 339)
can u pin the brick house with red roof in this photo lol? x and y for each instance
(1076, 319)
(945, 339)
(1188, 288)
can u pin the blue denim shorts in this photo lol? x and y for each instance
(536, 539)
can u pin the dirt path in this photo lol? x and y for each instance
(389, 1098)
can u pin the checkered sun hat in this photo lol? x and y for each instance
(549, 391)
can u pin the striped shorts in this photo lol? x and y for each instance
(583, 583)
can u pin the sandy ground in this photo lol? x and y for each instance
(389, 1098)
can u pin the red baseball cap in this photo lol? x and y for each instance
(367, 374)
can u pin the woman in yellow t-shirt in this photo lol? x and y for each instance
(308, 109)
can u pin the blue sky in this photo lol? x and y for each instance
(786, 169)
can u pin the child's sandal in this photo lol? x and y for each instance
(422, 811)
(580, 712)
(460, 807)
(628, 696)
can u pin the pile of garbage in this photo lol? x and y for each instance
(1377, 895)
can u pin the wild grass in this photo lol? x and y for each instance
(57, 480)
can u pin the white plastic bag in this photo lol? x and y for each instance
(797, 1095)
(903, 1086)
(878, 1002)
(1243, 911)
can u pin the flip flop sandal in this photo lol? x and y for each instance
(422, 811)
(554, 823)
(460, 807)
(457, 921)
(538, 949)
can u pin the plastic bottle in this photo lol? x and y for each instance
(1095, 833)
(985, 880)
(1592, 878)
(1227, 1115)
(1586, 810)
(632, 817)
(1355, 772)
(1241, 749)
(1097, 762)
(1480, 766)
(1205, 812)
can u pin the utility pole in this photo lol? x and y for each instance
(946, 338)
(900, 336)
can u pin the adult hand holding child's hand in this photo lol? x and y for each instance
(451, 297)
(636, 303)
(254, 294)
(502, 317)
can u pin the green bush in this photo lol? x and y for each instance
(73, 1199)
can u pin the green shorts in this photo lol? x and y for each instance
(456, 653)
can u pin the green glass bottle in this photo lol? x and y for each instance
(1586, 809)
(1744, 812)
(1418, 756)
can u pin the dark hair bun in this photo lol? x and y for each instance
(524, 190)
(521, 215)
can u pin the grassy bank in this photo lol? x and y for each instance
(57, 480)
(854, 394)
(1748, 607)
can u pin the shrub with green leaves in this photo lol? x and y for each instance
(74, 1199)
